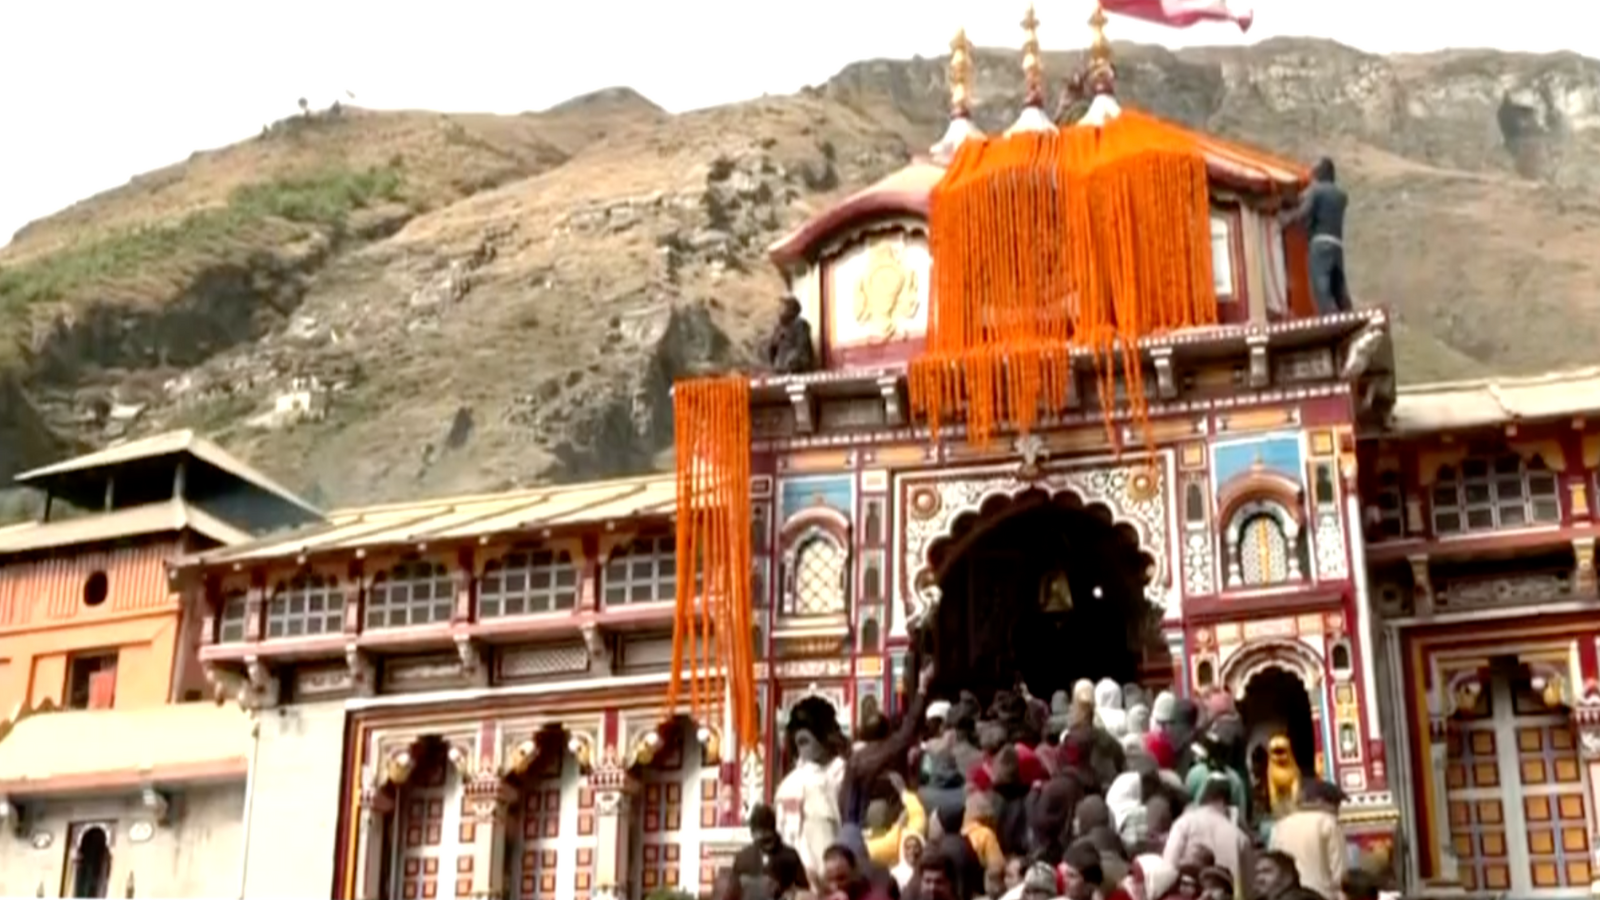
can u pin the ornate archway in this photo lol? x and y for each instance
(1127, 495)
(1291, 656)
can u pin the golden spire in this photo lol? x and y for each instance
(1032, 64)
(1101, 76)
(960, 75)
(961, 126)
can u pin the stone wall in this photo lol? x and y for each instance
(295, 808)
(195, 855)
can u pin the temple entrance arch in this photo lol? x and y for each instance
(1275, 684)
(1040, 585)
(1124, 493)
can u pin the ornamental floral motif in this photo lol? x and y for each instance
(1331, 564)
(1198, 578)
(1135, 494)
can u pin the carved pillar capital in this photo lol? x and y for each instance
(1583, 572)
(488, 797)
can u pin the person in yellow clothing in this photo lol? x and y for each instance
(883, 837)
(978, 829)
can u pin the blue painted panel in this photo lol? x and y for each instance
(1282, 454)
(834, 491)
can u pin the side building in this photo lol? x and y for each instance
(116, 772)
(1480, 524)
(468, 700)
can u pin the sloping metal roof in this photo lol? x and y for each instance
(135, 521)
(461, 517)
(1495, 401)
(49, 751)
(168, 444)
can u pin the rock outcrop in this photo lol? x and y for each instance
(388, 304)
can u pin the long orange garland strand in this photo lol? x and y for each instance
(1048, 245)
(713, 622)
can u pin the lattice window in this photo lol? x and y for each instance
(414, 592)
(525, 582)
(644, 571)
(1390, 506)
(819, 578)
(1263, 552)
(1487, 493)
(230, 625)
(305, 605)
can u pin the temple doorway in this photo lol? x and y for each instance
(90, 871)
(1276, 703)
(1042, 588)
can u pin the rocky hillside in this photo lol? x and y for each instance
(375, 305)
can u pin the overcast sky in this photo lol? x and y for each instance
(93, 92)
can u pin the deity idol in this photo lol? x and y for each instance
(807, 800)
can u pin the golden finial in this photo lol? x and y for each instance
(960, 75)
(1101, 76)
(1032, 64)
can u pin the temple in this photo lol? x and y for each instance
(1112, 439)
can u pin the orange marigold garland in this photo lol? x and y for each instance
(1047, 245)
(713, 624)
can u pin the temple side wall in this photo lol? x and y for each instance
(195, 855)
(294, 810)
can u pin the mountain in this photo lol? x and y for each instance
(380, 304)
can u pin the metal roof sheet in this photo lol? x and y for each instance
(167, 444)
(470, 516)
(1496, 401)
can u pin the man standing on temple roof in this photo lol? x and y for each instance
(1321, 210)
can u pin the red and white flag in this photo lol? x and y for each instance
(1179, 13)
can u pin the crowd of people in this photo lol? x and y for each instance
(1104, 793)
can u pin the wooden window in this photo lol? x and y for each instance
(307, 604)
(1491, 492)
(525, 582)
(1222, 255)
(1389, 504)
(414, 592)
(230, 625)
(644, 571)
(92, 681)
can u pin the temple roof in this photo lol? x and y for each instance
(172, 443)
(1492, 402)
(454, 518)
(905, 191)
(46, 751)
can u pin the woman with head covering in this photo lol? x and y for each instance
(1138, 727)
(912, 846)
(1108, 712)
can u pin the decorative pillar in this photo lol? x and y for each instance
(1583, 573)
(614, 791)
(1586, 722)
(376, 805)
(1449, 871)
(488, 798)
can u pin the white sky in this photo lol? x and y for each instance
(93, 92)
